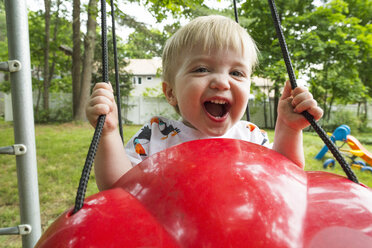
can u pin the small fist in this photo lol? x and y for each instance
(102, 102)
(293, 103)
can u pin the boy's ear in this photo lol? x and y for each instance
(168, 92)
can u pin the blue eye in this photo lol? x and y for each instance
(237, 74)
(201, 69)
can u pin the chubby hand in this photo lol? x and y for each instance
(293, 103)
(102, 102)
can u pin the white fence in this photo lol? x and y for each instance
(139, 109)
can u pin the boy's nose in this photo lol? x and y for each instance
(220, 82)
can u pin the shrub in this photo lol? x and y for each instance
(341, 117)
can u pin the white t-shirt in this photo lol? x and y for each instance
(161, 133)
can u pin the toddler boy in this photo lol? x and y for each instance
(207, 67)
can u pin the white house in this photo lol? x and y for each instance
(146, 74)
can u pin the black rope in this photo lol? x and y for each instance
(117, 86)
(237, 21)
(80, 195)
(236, 12)
(104, 42)
(322, 134)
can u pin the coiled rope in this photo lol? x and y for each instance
(292, 78)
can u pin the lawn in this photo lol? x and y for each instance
(61, 152)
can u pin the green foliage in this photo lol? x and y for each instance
(61, 62)
(145, 44)
(154, 92)
(60, 115)
(330, 38)
(5, 86)
(177, 8)
(328, 45)
(341, 117)
(3, 34)
(61, 111)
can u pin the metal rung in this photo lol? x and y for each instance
(17, 149)
(16, 230)
(10, 66)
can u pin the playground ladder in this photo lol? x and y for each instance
(19, 66)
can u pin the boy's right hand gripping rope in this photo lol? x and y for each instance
(292, 78)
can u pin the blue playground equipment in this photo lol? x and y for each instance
(340, 134)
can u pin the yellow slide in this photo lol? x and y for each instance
(358, 149)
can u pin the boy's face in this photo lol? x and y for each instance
(210, 89)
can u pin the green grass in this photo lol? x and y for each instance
(61, 152)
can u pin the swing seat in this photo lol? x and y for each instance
(220, 193)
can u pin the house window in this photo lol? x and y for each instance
(137, 80)
(149, 78)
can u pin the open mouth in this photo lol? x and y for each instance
(217, 108)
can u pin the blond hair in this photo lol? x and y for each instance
(207, 32)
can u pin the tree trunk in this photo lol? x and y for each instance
(89, 44)
(46, 77)
(366, 110)
(37, 107)
(330, 104)
(76, 51)
(55, 31)
(325, 109)
(270, 108)
(264, 106)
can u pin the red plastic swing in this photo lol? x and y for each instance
(198, 195)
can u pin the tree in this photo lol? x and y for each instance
(256, 18)
(328, 53)
(362, 9)
(3, 36)
(145, 44)
(82, 80)
(54, 78)
(322, 41)
(89, 45)
(76, 56)
(4, 86)
(46, 73)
